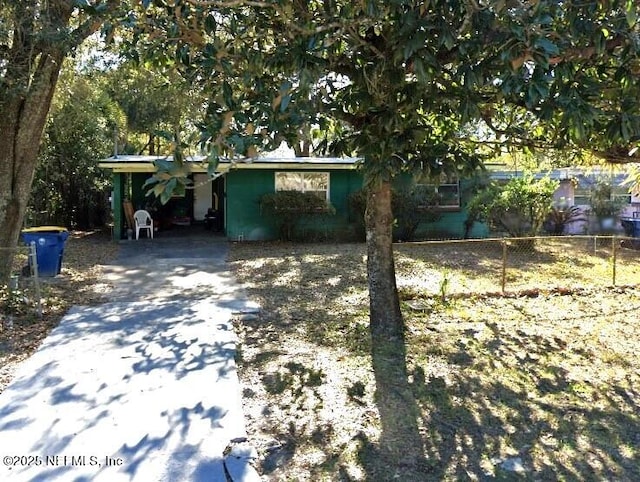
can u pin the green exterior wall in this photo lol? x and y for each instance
(138, 197)
(244, 219)
(116, 203)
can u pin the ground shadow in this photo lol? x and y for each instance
(493, 401)
(144, 393)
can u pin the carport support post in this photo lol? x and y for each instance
(614, 256)
(116, 201)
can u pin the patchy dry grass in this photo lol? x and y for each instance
(475, 266)
(544, 383)
(79, 283)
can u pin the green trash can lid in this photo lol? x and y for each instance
(45, 229)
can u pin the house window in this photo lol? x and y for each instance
(314, 182)
(582, 195)
(621, 194)
(447, 190)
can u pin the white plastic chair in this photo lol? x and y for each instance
(143, 220)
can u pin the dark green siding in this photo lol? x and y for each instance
(245, 221)
(116, 202)
(138, 197)
(244, 188)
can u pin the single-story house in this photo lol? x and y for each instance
(235, 195)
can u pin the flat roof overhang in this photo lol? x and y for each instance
(126, 164)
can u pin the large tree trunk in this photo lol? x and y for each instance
(400, 440)
(22, 120)
(385, 317)
(41, 41)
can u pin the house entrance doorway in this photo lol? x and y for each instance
(208, 201)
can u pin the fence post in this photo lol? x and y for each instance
(614, 257)
(504, 265)
(33, 254)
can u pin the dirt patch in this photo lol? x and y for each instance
(541, 385)
(80, 283)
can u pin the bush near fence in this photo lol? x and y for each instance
(511, 265)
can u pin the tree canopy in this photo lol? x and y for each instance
(69, 189)
(35, 39)
(518, 207)
(399, 83)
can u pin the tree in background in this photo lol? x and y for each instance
(69, 189)
(604, 205)
(157, 103)
(35, 39)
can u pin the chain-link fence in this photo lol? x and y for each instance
(512, 265)
(23, 291)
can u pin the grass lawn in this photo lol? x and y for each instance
(539, 385)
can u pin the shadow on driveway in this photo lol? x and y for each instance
(143, 388)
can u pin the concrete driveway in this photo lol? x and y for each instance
(142, 388)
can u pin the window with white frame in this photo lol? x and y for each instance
(313, 182)
(581, 196)
(622, 194)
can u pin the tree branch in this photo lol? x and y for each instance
(584, 53)
(231, 3)
(92, 24)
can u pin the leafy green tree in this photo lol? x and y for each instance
(69, 189)
(157, 104)
(518, 207)
(602, 201)
(399, 81)
(35, 38)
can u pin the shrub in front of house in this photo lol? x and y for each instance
(605, 206)
(290, 208)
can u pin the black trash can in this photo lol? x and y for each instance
(49, 242)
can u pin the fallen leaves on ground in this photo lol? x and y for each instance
(544, 377)
(80, 283)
